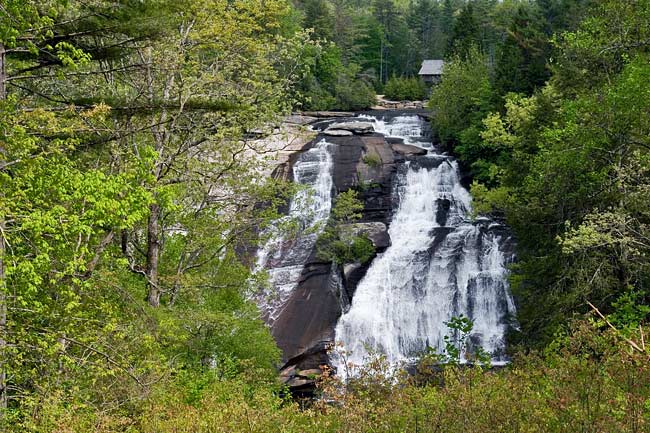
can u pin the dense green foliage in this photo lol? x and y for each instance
(331, 84)
(586, 382)
(378, 45)
(405, 89)
(129, 186)
(123, 192)
(341, 241)
(564, 161)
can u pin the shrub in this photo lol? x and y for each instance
(372, 160)
(587, 380)
(340, 242)
(405, 89)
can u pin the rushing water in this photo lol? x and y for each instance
(411, 129)
(284, 256)
(440, 265)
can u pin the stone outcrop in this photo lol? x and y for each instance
(298, 119)
(368, 162)
(305, 328)
(376, 232)
(285, 141)
(354, 127)
(408, 150)
(338, 133)
(327, 114)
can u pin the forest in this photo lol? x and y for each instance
(134, 185)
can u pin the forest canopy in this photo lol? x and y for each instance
(131, 182)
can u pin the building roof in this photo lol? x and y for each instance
(431, 67)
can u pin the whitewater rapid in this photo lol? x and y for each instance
(441, 264)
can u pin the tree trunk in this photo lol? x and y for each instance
(3, 282)
(3, 325)
(153, 255)
(381, 61)
(3, 72)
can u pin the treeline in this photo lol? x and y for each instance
(369, 42)
(555, 134)
(366, 43)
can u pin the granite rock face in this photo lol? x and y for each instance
(408, 150)
(354, 127)
(305, 328)
(338, 133)
(370, 163)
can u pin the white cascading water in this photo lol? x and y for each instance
(439, 265)
(284, 257)
(411, 129)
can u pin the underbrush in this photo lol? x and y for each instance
(587, 381)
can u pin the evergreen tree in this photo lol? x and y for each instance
(521, 64)
(447, 19)
(465, 33)
(386, 15)
(319, 16)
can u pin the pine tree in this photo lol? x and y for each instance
(465, 33)
(521, 65)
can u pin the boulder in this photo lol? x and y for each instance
(288, 372)
(297, 382)
(354, 127)
(408, 150)
(311, 373)
(377, 233)
(297, 119)
(338, 133)
(327, 114)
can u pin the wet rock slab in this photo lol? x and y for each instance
(338, 133)
(408, 150)
(354, 127)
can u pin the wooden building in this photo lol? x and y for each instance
(431, 71)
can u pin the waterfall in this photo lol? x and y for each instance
(411, 129)
(440, 265)
(284, 256)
